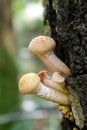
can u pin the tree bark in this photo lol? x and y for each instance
(66, 22)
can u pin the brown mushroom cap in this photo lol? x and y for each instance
(41, 44)
(28, 83)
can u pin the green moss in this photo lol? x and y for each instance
(55, 5)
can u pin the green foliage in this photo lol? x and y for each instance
(8, 82)
(19, 5)
(8, 85)
(44, 124)
(23, 125)
(29, 28)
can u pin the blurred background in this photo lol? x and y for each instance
(20, 21)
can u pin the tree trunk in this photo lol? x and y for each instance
(6, 28)
(66, 22)
(8, 69)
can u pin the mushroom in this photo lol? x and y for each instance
(30, 84)
(71, 117)
(66, 111)
(43, 46)
(49, 81)
(75, 128)
(58, 78)
(58, 85)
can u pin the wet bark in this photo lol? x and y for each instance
(66, 22)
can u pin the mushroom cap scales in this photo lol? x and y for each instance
(28, 83)
(41, 45)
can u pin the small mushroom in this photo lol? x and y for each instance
(75, 128)
(58, 78)
(43, 46)
(49, 82)
(66, 111)
(71, 118)
(30, 84)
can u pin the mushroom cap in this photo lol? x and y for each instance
(28, 82)
(57, 77)
(41, 44)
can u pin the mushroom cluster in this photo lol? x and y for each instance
(53, 87)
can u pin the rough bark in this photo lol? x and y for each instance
(66, 22)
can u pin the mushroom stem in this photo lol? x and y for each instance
(51, 94)
(48, 81)
(54, 63)
(30, 83)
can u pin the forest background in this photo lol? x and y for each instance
(20, 21)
